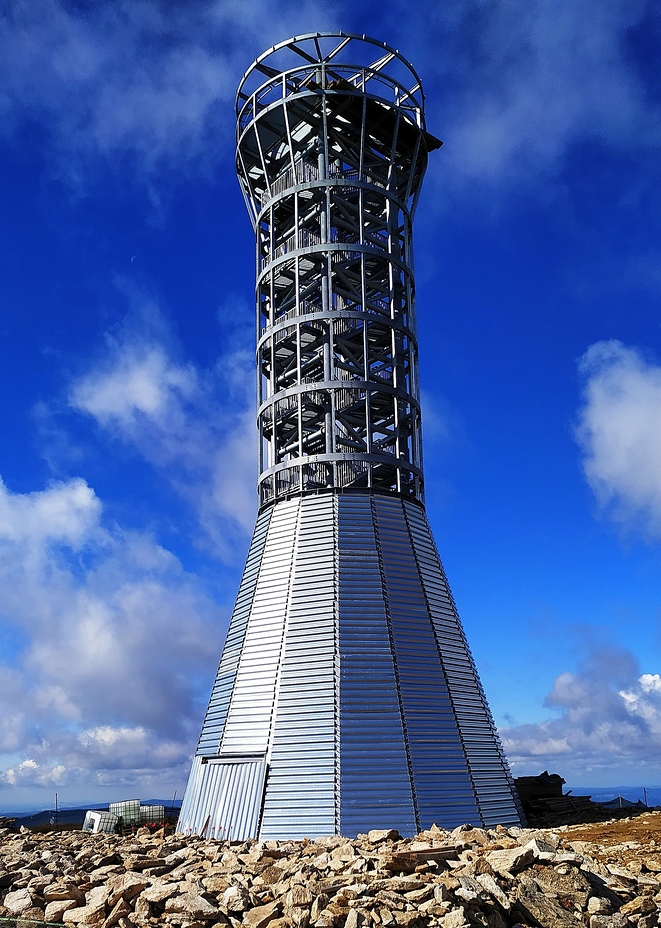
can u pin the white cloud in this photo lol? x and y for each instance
(619, 432)
(13, 717)
(644, 701)
(140, 78)
(196, 427)
(512, 87)
(609, 723)
(64, 513)
(140, 381)
(116, 645)
(112, 79)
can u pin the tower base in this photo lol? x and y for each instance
(346, 698)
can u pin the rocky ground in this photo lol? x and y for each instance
(602, 876)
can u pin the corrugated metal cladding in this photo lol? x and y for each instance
(496, 795)
(347, 696)
(300, 798)
(249, 717)
(223, 800)
(375, 781)
(443, 787)
(214, 722)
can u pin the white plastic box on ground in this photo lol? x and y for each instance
(100, 821)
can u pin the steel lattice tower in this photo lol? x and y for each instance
(346, 697)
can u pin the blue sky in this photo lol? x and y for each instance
(126, 372)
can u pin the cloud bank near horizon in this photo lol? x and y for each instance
(609, 719)
(106, 639)
(109, 644)
(609, 713)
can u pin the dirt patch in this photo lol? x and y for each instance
(644, 829)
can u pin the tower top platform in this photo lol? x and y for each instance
(367, 64)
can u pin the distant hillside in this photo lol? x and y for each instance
(76, 816)
(606, 793)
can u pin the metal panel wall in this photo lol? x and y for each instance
(354, 684)
(374, 778)
(214, 721)
(486, 760)
(248, 725)
(223, 800)
(300, 793)
(443, 788)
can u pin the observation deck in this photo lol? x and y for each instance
(331, 152)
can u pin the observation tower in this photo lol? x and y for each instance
(346, 697)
